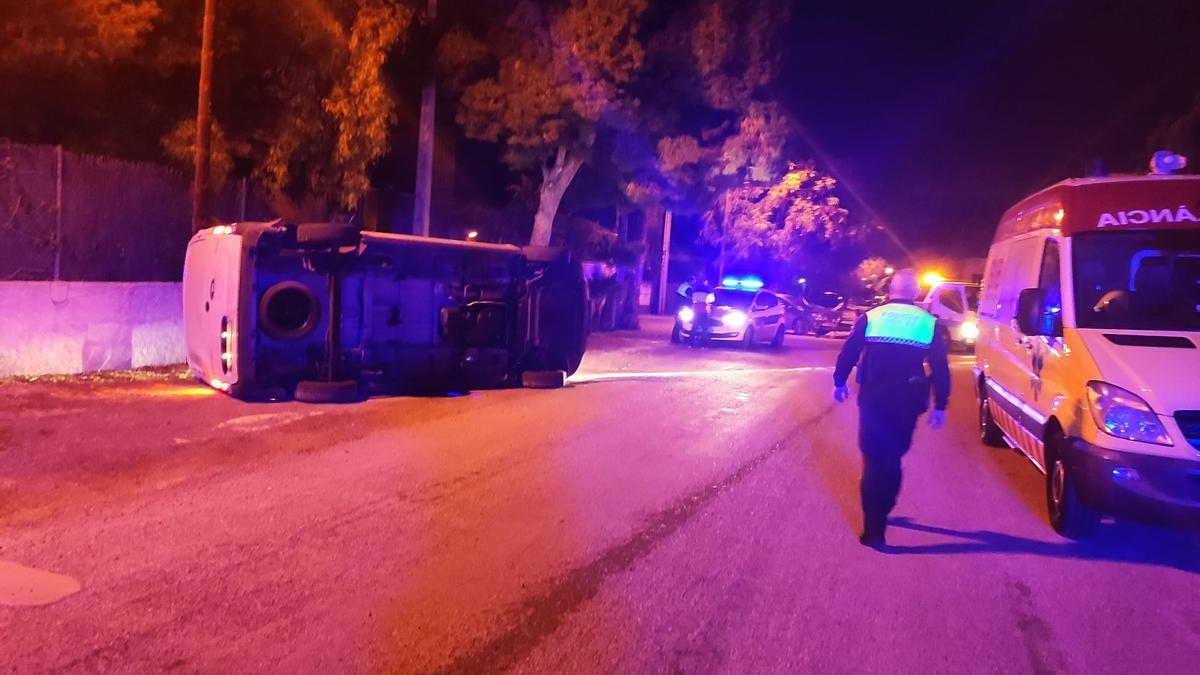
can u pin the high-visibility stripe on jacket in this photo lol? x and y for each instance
(900, 324)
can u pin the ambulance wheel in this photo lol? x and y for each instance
(318, 391)
(675, 337)
(777, 341)
(748, 338)
(989, 431)
(1068, 515)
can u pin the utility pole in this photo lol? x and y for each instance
(666, 261)
(203, 122)
(426, 135)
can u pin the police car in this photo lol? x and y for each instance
(739, 311)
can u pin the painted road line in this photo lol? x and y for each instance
(677, 374)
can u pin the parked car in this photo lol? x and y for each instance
(797, 313)
(830, 312)
(956, 305)
(323, 312)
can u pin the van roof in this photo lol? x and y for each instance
(1110, 202)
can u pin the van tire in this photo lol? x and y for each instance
(319, 391)
(989, 432)
(675, 336)
(1069, 516)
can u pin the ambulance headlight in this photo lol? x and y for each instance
(1124, 414)
(686, 315)
(970, 330)
(735, 319)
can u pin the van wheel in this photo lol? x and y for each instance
(989, 432)
(318, 391)
(1068, 516)
(675, 337)
(800, 327)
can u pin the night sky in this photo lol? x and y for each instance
(939, 115)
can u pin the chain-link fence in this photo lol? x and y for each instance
(77, 217)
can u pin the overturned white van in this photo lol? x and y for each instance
(323, 312)
(1087, 353)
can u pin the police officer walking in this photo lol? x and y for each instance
(890, 345)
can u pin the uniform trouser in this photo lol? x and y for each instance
(885, 431)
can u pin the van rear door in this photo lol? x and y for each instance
(1013, 365)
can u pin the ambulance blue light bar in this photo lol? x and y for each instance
(749, 283)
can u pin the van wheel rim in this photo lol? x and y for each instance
(1058, 483)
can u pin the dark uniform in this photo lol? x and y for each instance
(894, 341)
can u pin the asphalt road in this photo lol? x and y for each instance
(673, 510)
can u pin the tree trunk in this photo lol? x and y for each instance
(556, 178)
(650, 215)
(203, 122)
(426, 135)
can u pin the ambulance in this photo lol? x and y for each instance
(1087, 355)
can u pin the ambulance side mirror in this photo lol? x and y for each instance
(1032, 318)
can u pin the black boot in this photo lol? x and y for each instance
(873, 533)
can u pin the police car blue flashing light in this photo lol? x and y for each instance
(749, 283)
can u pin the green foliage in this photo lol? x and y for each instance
(362, 107)
(872, 270)
(552, 75)
(730, 49)
(777, 219)
(299, 87)
(543, 83)
(180, 144)
(1181, 135)
(74, 33)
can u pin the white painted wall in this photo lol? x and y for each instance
(64, 327)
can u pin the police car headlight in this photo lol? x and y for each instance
(686, 315)
(1124, 414)
(735, 319)
(969, 330)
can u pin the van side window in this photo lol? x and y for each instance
(951, 299)
(1020, 270)
(1049, 279)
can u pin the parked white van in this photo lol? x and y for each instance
(956, 305)
(1087, 358)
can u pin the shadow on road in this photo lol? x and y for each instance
(1118, 542)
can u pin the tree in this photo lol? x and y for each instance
(777, 219)
(543, 84)
(299, 92)
(872, 270)
(74, 33)
(1181, 135)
